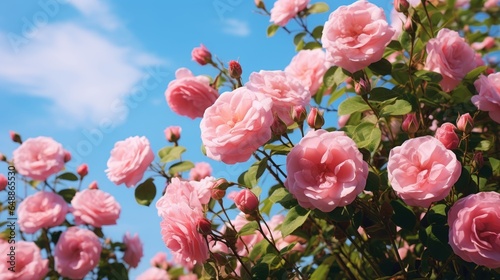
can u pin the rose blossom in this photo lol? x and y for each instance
(133, 250)
(475, 228)
(190, 276)
(154, 273)
(160, 260)
(188, 95)
(488, 98)
(490, 4)
(285, 91)
(281, 242)
(95, 207)
(77, 252)
(38, 158)
(173, 133)
(487, 43)
(236, 125)
(200, 171)
(246, 201)
(194, 193)
(41, 210)
(29, 264)
(422, 171)
(3, 182)
(309, 67)
(284, 10)
(201, 55)
(129, 160)
(325, 170)
(449, 55)
(355, 36)
(446, 135)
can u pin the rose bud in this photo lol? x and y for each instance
(362, 87)
(278, 127)
(15, 137)
(3, 182)
(446, 135)
(410, 123)
(93, 186)
(235, 70)
(201, 55)
(173, 133)
(315, 119)
(246, 201)
(82, 170)
(299, 114)
(204, 226)
(401, 6)
(67, 156)
(465, 123)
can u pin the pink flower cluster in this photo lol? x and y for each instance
(27, 260)
(284, 10)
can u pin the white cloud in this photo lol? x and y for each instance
(235, 27)
(98, 11)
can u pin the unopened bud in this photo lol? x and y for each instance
(204, 226)
(465, 123)
(218, 194)
(315, 119)
(93, 186)
(478, 160)
(246, 201)
(410, 123)
(260, 4)
(362, 87)
(201, 55)
(82, 170)
(278, 127)
(299, 114)
(410, 26)
(221, 184)
(401, 6)
(3, 157)
(15, 137)
(235, 70)
(173, 133)
(67, 156)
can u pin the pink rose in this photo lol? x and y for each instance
(285, 91)
(246, 201)
(487, 43)
(77, 252)
(465, 123)
(129, 160)
(29, 264)
(489, 95)
(154, 273)
(355, 36)
(38, 158)
(422, 171)
(474, 228)
(236, 125)
(41, 210)
(173, 133)
(160, 260)
(284, 10)
(3, 182)
(309, 67)
(95, 207)
(193, 193)
(325, 170)
(190, 276)
(201, 55)
(133, 250)
(446, 135)
(200, 171)
(274, 223)
(490, 4)
(449, 55)
(188, 95)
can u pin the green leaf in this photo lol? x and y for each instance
(437, 242)
(437, 215)
(180, 167)
(67, 194)
(271, 30)
(367, 135)
(352, 105)
(118, 271)
(495, 166)
(294, 219)
(321, 273)
(382, 94)
(298, 38)
(171, 153)
(258, 250)
(278, 195)
(372, 182)
(334, 76)
(251, 177)
(395, 45)
(278, 148)
(68, 176)
(398, 108)
(317, 8)
(475, 73)
(403, 215)
(429, 76)
(382, 67)
(318, 32)
(312, 45)
(145, 192)
(249, 228)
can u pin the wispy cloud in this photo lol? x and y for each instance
(235, 27)
(98, 10)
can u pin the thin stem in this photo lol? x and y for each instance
(395, 249)
(428, 16)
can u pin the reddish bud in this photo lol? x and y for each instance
(446, 135)
(315, 119)
(401, 6)
(173, 133)
(299, 114)
(362, 87)
(246, 201)
(67, 156)
(478, 161)
(15, 137)
(3, 182)
(221, 184)
(82, 170)
(260, 4)
(465, 123)
(278, 127)
(3, 157)
(410, 123)
(204, 226)
(201, 55)
(93, 186)
(218, 194)
(235, 70)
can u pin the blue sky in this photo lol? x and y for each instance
(89, 73)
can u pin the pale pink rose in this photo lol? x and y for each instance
(41, 210)
(160, 260)
(285, 91)
(247, 241)
(488, 98)
(191, 276)
(491, 4)
(446, 134)
(203, 188)
(200, 171)
(95, 207)
(38, 158)
(77, 252)
(236, 125)
(154, 273)
(274, 223)
(27, 260)
(3, 182)
(325, 170)
(475, 228)
(129, 160)
(462, 3)
(133, 250)
(355, 36)
(404, 249)
(284, 10)
(465, 123)
(309, 67)
(173, 133)
(422, 171)
(342, 120)
(188, 95)
(184, 192)
(397, 22)
(201, 55)
(487, 43)
(449, 55)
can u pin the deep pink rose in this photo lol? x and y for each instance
(284, 10)
(285, 91)
(41, 210)
(154, 273)
(29, 264)
(475, 228)
(188, 95)
(77, 252)
(449, 55)
(309, 67)
(129, 160)
(488, 98)
(38, 158)
(193, 193)
(173, 133)
(422, 171)
(201, 55)
(95, 207)
(236, 125)
(355, 36)
(246, 201)
(3, 182)
(325, 170)
(200, 171)
(446, 134)
(133, 250)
